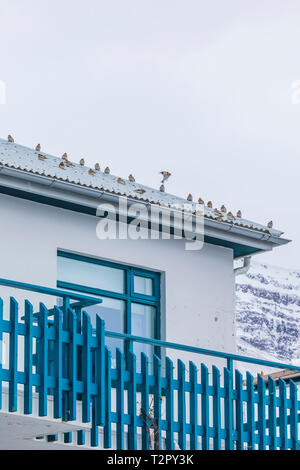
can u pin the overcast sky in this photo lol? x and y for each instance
(200, 88)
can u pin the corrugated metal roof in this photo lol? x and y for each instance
(16, 156)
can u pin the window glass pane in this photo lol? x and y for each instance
(91, 275)
(143, 285)
(142, 324)
(112, 311)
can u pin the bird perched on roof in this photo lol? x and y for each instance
(200, 201)
(223, 208)
(107, 170)
(120, 181)
(38, 147)
(68, 163)
(81, 162)
(10, 138)
(41, 157)
(140, 191)
(61, 165)
(270, 224)
(217, 212)
(65, 156)
(209, 204)
(97, 167)
(230, 216)
(239, 214)
(189, 197)
(162, 188)
(166, 175)
(131, 178)
(91, 171)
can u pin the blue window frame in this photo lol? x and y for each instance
(130, 297)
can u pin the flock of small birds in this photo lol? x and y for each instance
(165, 176)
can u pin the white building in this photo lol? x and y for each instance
(152, 288)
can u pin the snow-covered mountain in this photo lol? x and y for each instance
(268, 313)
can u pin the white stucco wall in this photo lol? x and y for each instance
(198, 286)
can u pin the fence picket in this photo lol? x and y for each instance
(58, 363)
(13, 354)
(228, 409)
(205, 407)
(94, 428)
(181, 405)
(28, 358)
(216, 408)
(261, 388)
(132, 427)
(239, 410)
(272, 413)
(283, 414)
(1, 349)
(294, 415)
(170, 404)
(43, 359)
(157, 402)
(72, 351)
(86, 368)
(193, 406)
(145, 402)
(100, 372)
(107, 427)
(98, 379)
(120, 399)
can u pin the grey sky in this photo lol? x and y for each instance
(200, 88)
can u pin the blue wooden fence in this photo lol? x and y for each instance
(166, 405)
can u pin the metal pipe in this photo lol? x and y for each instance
(243, 269)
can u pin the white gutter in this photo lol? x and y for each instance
(243, 269)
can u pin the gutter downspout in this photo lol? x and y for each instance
(243, 269)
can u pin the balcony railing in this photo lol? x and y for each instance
(161, 405)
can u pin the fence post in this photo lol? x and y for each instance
(145, 402)
(120, 399)
(43, 359)
(283, 414)
(13, 355)
(193, 406)
(86, 369)
(261, 387)
(1, 349)
(294, 415)
(28, 358)
(272, 413)
(228, 409)
(170, 404)
(107, 427)
(132, 437)
(72, 366)
(250, 412)
(205, 407)
(100, 371)
(157, 402)
(181, 405)
(58, 363)
(216, 408)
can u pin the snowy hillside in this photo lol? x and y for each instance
(268, 313)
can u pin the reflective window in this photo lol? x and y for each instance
(143, 285)
(123, 290)
(90, 274)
